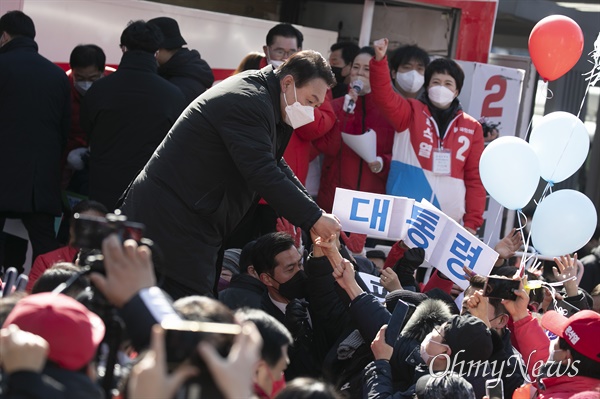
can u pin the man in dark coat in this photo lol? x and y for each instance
(127, 114)
(181, 66)
(245, 288)
(222, 154)
(34, 124)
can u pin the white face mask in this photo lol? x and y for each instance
(423, 349)
(440, 96)
(82, 86)
(410, 81)
(298, 115)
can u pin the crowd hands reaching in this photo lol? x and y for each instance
(331, 336)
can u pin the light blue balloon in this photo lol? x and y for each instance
(563, 223)
(510, 171)
(561, 142)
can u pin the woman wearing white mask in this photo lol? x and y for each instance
(408, 65)
(356, 114)
(437, 146)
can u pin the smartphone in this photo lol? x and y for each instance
(402, 312)
(182, 338)
(494, 388)
(564, 308)
(497, 287)
(90, 231)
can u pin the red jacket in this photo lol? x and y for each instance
(342, 167)
(47, 260)
(534, 347)
(460, 195)
(298, 151)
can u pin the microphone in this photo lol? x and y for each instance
(357, 85)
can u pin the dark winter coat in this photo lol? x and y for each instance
(395, 378)
(243, 291)
(328, 315)
(35, 111)
(591, 275)
(126, 115)
(224, 151)
(186, 70)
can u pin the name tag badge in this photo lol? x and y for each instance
(442, 162)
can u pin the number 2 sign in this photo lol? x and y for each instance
(492, 103)
(492, 92)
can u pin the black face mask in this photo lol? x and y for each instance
(337, 71)
(294, 287)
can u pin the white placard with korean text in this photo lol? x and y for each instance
(377, 215)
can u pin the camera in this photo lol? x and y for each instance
(90, 231)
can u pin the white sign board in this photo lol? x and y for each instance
(376, 215)
(448, 245)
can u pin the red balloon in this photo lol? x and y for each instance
(555, 45)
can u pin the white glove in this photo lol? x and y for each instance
(74, 158)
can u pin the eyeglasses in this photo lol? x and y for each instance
(500, 315)
(281, 53)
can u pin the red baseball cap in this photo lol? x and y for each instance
(581, 331)
(72, 331)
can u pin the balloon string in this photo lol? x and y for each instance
(495, 224)
(547, 191)
(551, 94)
(528, 131)
(524, 258)
(583, 99)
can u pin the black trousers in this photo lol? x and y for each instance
(40, 228)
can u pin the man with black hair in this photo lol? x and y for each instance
(127, 114)
(34, 118)
(283, 40)
(88, 64)
(341, 57)
(218, 159)
(279, 266)
(437, 146)
(407, 65)
(179, 65)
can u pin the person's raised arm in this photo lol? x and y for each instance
(395, 108)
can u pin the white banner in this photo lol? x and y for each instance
(377, 215)
(448, 245)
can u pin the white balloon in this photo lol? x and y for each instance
(561, 143)
(563, 223)
(510, 171)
